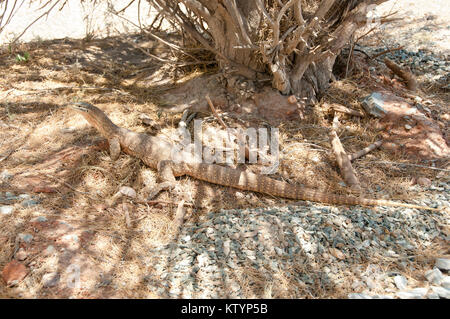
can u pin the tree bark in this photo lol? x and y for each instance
(295, 42)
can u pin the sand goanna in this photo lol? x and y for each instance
(158, 153)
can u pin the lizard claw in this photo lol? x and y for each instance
(158, 188)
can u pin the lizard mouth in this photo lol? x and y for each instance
(77, 106)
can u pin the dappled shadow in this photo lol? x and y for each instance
(117, 247)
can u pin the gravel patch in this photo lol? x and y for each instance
(291, 251)
(424, 64)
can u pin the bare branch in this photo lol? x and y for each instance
(276, 26)
(197, 8)
(365, 150)
(261, 7)
(237, 17)
(298, 13)
(342, 159)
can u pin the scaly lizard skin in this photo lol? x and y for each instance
(157, 153)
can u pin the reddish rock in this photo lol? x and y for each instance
(292, 99)
(14, 272)
(275, 107)
(422, 140)
(43, 189)
(21, 254)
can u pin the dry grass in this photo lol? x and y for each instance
(50, 146)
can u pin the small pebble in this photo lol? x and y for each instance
(27, 238)
(445, 282)
(358, 296)
(50, 250)
(441, 292)
(434, 276)
(39, 219)
(127, 191)
(50, 279)
(21, 254)
(424, 182)
(5, 175)
(443, 263)
(6, 210)
(416, 293)
(30, 203)
(401, 282)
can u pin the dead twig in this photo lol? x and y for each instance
(386, 52)
(365, 150)
(126, 211)
(406, 75)
(342, 159)
(214, 111)
(179, 216)
(340, 108)
(216, 115)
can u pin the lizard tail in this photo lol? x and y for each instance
(226, 176)
(353, 200)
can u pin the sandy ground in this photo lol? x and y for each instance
(70, 176)
(75, 20)
(423, 24)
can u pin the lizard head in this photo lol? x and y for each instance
(95, 117)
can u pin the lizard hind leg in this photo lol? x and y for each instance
(166, 178)
(166, 172)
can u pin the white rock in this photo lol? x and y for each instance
(240, 195)
(443, 263)
(6, 210)
(442, 292)
(416, 293)
(226, 247)
(5, 175)
(383, 297)
(391, 253)
(401, 282)
(73, 238)
(434, 276)
(358, 296)
(445, 282)
(370, 283)
(50, 279)
(127, 191)
(40, 219)
(50, 250)
(25, 237)
(356, 284)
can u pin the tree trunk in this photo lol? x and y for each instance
(293, 42)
